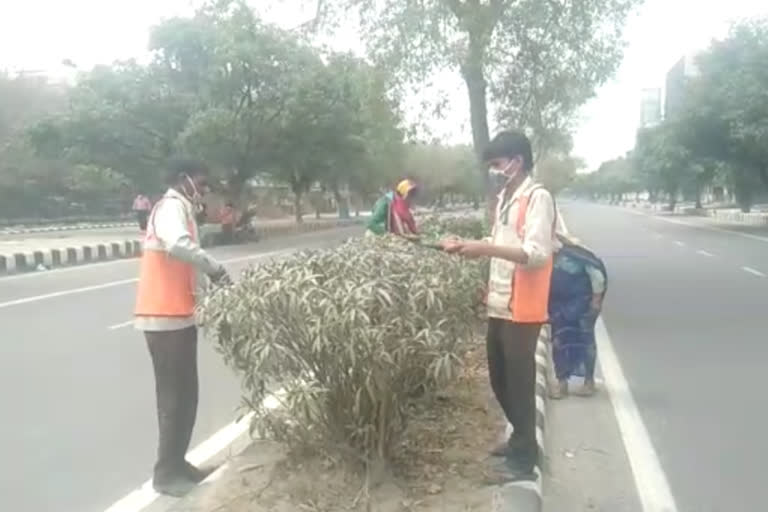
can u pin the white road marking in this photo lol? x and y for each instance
(753, 271)
(64, 293)
(708, 228)
(679, 243)
(658, 236)
(73, 291)
(145, 495)
(650, 479)
(705, 253)
(120, 326)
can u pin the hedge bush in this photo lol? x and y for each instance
(351, 336)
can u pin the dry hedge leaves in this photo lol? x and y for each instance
(345, 339)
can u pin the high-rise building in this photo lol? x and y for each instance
(677, 78)
(650, 107)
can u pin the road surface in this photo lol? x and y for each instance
(76, 386)
(686, 315)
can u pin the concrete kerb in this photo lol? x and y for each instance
(65, 227)
(526, 495)
(91, 253)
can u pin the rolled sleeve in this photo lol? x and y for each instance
(538, 242)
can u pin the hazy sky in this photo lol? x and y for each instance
(39, 34)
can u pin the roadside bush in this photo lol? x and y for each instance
(468, 227)
(351, 336)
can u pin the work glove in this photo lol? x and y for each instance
(220, 277)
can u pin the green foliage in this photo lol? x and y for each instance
(467, 227)
(720, 131)
(352, 336)
(443, 171)
(538, 61)
(557, 172)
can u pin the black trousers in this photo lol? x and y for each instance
(512, 368)
(142, 216)
(174, 359)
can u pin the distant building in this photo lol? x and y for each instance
(650, 107)
(677, 78)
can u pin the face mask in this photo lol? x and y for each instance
(499, 177)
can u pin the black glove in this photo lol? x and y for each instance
(220, 277)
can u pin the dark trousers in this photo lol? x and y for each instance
(174, 358)
(142, 216)
(512, 368)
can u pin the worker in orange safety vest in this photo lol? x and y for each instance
(521, 250)
(165, 306)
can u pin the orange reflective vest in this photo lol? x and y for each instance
(166, 285)
(529, 302)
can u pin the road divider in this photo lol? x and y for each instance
(46, 259)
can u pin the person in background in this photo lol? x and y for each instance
(401, 221)
(165, 305)
(521, 250)
(228, 220)
(392, 212)
(579, 284)
(141, 207)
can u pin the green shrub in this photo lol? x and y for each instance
(470, 227)
(351, 335)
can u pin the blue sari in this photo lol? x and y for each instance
(571, 314)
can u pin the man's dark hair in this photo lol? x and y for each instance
(509, 144)
(179, 167)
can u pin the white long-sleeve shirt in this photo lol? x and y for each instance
(172, 228)
(538, 243)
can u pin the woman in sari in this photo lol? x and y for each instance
(579, 284)
(392, 212)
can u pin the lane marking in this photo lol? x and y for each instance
(705, 253)
(120, 326)
(64, 293)
(650, 480)
(679, 243)
(145, 495)
(73, 291)
(753, 271)
(704, 227)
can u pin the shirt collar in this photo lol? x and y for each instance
(525, 185)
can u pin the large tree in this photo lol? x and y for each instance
(539, 60)
(725, 114)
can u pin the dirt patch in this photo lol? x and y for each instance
(441, 464)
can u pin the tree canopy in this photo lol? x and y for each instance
(719, 135)
(536, 62)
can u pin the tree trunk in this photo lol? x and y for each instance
(472, 71)
(297, 193)
(342, 203)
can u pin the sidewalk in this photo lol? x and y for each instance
(587, 467)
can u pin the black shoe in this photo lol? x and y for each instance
(196, 474)
(507, 471)
(175, 485)
(508, 447)
(522, 458)
(500, 450)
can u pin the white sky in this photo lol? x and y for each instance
(39, 34)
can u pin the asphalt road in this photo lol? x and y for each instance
(686, 312)
(78, 427)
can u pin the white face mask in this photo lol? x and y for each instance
(501, 176)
